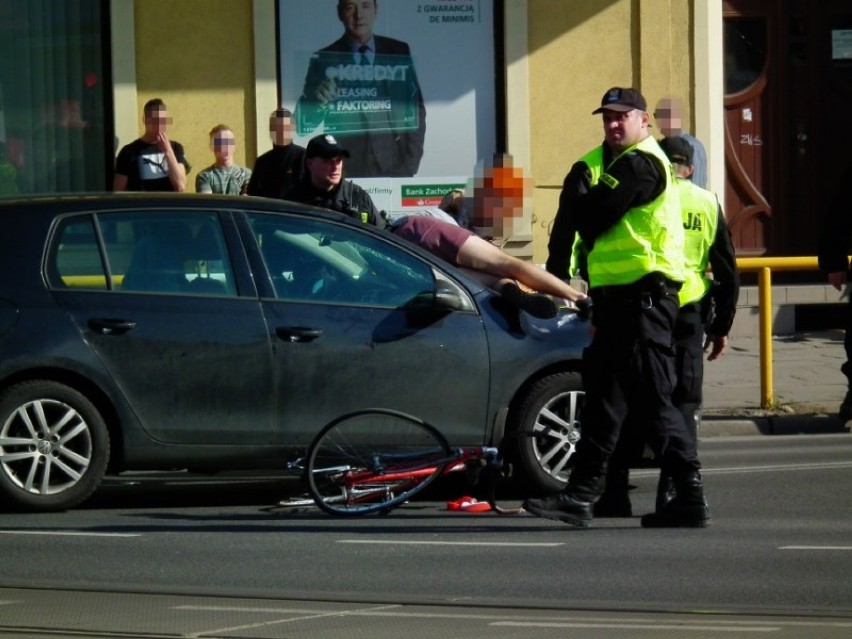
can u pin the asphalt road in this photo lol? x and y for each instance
(195, 557)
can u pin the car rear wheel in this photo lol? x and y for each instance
(54, 446)
(548, 429)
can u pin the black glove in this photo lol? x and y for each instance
(584, 308)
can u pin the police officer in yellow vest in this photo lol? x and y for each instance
(630, 224)
(705, 303)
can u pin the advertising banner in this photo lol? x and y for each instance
(406, 87)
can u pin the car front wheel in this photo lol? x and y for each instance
(548, 429)
(54, 446)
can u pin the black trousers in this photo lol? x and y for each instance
(687, 396)
(629, 368)
(689, 366)
(846, 367)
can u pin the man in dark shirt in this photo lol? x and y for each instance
(153, 162)
(323, 185)
(834, 248)
(277, 171)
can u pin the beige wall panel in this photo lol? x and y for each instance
(197, 55)
(578, 49)
(666, 54)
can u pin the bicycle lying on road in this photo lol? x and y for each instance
(373, 460)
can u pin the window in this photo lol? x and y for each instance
(317, 261)
(76, 260)
(149, 253)
(745, 53)
(53, 86)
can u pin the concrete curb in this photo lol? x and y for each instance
(728, 426)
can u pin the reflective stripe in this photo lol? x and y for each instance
(700, 212)
(648, 238)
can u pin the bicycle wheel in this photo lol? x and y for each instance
(372, 460)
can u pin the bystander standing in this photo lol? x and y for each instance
(669, 117)
(278, 170)
(223, 176)
(153, 162)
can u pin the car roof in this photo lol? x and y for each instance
(49, 206)
(68, 202)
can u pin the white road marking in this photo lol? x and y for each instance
(307, 615)
(67, 533)
(815, 548)
(774, 467)
(733, 470)
(513, 544)
(693, 622)
(637, 626)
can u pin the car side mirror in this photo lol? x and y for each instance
(448, 298)
(428, 307)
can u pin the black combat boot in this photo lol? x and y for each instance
(562, 507)
(615, 501)
(687, 509)
(665, 490)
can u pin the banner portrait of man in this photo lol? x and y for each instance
(363, 88)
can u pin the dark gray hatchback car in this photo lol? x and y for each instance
(144, 332)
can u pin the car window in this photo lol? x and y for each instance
(144, 252)
(319, 261)
(75, 260)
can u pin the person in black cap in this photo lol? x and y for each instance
(278, 170)
(705, 305)
(323, 184)
(620, 200)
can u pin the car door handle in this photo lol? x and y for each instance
(110, 326)
(297, 333)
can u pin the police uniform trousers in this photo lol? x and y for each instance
(630, 368)
(689, 365)
(846, 367)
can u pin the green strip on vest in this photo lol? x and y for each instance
(610, 181)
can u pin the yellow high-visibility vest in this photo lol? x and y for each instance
(647, 239)
(700, 212)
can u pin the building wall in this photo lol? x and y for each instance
(577, 50)
(212, 61)
(198, 56)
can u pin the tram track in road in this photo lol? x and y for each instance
(104, 614)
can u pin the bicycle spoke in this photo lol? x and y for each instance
(371, 461)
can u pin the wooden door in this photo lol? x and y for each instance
(751, 158)
(819, 99)
(788, 77)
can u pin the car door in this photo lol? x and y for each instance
(153, 293)
(355, 326)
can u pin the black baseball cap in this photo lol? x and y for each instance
(325, 146)
(622, 100)
(677, 149)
